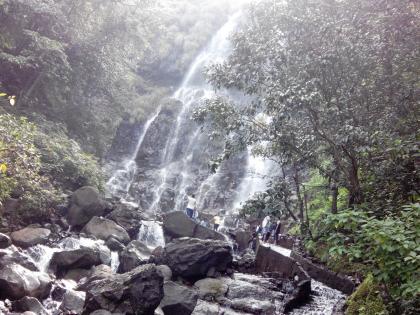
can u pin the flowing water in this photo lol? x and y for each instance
(120, 182)
(151, 234)
(182, 160)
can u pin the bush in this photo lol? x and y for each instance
(387, 247)
(366, 300)
(64, 162)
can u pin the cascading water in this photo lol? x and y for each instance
(119, 184)
(193, 91)
(159, 181)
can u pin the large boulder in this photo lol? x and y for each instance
(192, 258)
(84, 257)
(104, 229)
(128, 217)
(177, 224)
(85, 203)
(242, 238)
(134, 255)
(30, 236)
(17, 282)
(211, 289)
(14, 256)
(29, 304)
(178, 299)
(136, 292)
(73, 302)
(5, 241)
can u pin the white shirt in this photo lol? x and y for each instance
(192, 203)
(266, 221)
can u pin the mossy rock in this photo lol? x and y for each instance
(366, 300)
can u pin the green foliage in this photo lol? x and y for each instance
(366, 300)
(64, 162)
(387, 247)
(22, 178)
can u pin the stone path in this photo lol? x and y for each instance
(278, 249)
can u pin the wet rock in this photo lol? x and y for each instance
(5, 241)
(192, 258)
(177, 224)
(271, 259)
(114, 244)
(252, 306)
(85, 203)
(73, 302)
(29, 236)
(127, 217)
(178, 299)
(17, 282)
(101, 312)
(135, 254)
(103, 229)
(136, 292)
(211, 289)
(165, 272)
(29, 304)
(16, 257)
(77, 274)
(242, 238)
(207, 308)
(245, 263)
(76, 258)
(96, 273)
(300, 295)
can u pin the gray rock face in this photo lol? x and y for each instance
(178, 299)
(104, 229)
(136, 292)
(165, 272)
(77, 258)
(127, 217)
(16, 257)
(29, 236)
(85, 204)
(29, 304)
(114, 244)
(17, 282)
(5, 241)
(211, 289)
(73, 302)
(134, 255)
(192, 258)
(242, 238)
(177, 224)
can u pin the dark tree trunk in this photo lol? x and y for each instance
(334, 194)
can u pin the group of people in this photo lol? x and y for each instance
(192, 212)
(269, 228)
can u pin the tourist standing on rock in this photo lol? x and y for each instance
(191, 206)
(266, 224)
(216, 222)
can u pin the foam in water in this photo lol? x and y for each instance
(151, 234)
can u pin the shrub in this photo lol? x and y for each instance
(64, 162)
(366, 300)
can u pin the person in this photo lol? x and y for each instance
(277, 232)
(266, 223)
(191, 206)
(216, 222)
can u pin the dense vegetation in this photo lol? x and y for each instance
(332, 88)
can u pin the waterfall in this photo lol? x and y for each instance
(193, 90)
(179, 162)
(151, 234)
(120, 182)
